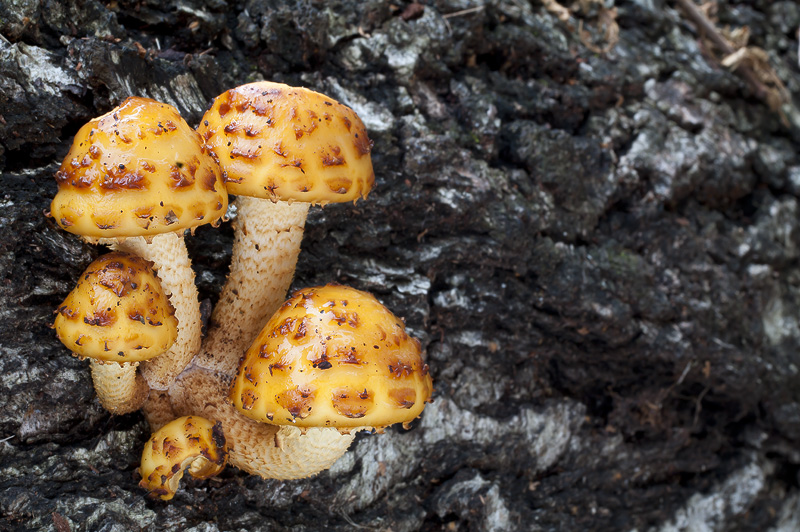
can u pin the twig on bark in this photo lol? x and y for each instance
(463, 12)
(750, 62)
(606, 21)
(561, 12)
(698, 406)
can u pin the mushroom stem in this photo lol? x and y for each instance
(157, 409)
(118, 387)
(267, 239)
(266, 450)
(170, 259)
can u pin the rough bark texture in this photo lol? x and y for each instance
(600, 254)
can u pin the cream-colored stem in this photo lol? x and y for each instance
(267, 238)
(118, 387)
(260, 449)
(158, 410)
(170, 258)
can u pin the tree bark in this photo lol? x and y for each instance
(599, 254)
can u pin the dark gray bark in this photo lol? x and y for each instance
(598, 252)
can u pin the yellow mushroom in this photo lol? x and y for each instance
(281, 149)
(332, 356)
(330, 362)
(118, 315)
(136, 178)
(189, 441)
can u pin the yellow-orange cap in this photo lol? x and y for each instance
(138, 170)
(189, 441)
(332, 356)
(118, 312)
(287, 143)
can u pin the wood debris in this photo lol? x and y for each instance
(750, 62)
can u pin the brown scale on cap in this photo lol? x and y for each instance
(352, 403)
(118, 312)
(345, 361)
(189, 441)
(287, 143)
(140, 157)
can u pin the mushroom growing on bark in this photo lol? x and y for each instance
(331, 361)
(136, 178)
(118, 315)
(255, 447)
(190, 441)
(281, 149)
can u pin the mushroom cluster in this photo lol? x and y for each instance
(277, 388)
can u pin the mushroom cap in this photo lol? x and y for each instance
(286, 143)
(332, 356)
(138, 170)
(189, 441)
(118, 312)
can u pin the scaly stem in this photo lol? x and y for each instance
(267, 241)
(158, 410)
(118, 387)
(267, 238)
(269, 451)
(171, 261)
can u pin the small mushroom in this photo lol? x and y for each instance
(332, 361)
(188, 442)
(118, 315)
(281, 149)
(136, 178)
